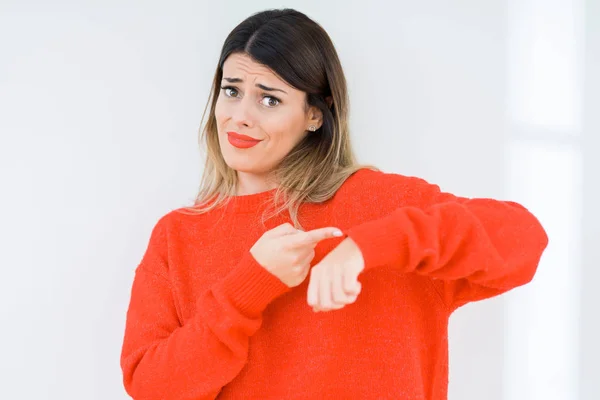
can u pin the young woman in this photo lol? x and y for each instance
(299, 274)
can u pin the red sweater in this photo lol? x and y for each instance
(206, 321)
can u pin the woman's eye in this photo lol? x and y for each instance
(271, 101)
(229, 90)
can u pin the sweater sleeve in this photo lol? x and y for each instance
(471, 249)
(163, 358)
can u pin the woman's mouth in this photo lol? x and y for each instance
(241, 141)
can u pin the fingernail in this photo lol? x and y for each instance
(337, 233)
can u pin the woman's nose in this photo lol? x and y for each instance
(243, 113)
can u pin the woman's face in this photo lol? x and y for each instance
(256, 103)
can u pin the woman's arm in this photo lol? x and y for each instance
(164, 359)
(471, 248)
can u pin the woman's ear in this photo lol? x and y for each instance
(316, 118)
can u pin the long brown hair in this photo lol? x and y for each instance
(301, 53)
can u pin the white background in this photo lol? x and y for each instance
(100, 105)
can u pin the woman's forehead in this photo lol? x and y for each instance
(242, 66)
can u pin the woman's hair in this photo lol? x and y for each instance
(300, 52)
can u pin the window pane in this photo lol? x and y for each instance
(544, 59)
(542, 317)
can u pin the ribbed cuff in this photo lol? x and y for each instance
(250, 287)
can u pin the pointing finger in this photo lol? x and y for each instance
(314, 236)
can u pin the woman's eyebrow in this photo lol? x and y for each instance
(263, 87)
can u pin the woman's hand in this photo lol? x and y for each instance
(287, 252)
(334, 280)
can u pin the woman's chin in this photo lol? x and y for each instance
(241, 166)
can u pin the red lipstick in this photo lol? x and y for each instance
(241, 141)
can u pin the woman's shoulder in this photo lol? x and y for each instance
(179, 220)
(376, 180)
(375, 186)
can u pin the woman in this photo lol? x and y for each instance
(299, 274)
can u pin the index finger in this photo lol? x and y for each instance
(314, 236)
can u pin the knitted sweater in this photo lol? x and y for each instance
(206, 321)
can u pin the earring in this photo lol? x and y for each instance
(312, 128)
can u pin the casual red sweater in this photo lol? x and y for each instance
(206, 321)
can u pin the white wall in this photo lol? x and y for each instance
(590, 295)
(99, 110)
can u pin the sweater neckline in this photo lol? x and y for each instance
(246, 203)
